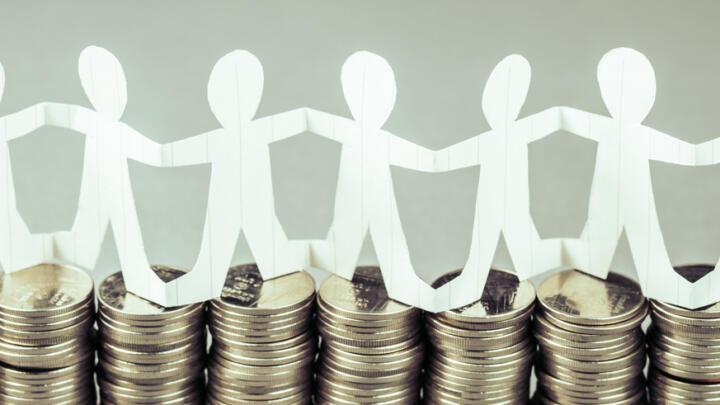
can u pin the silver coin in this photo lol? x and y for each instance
(44, 290)
(246, 292)
(363, 297)
(122, 304)
(504, 297)
(582, 299)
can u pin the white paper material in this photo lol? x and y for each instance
(241, 194)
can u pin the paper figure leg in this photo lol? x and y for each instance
(18, 247)
(655, 271)
(340, 252)
(468, 287)
(388, 238)
(273, 252)
(487, 225)
(139, 277)
(266, 237)
(529, 253)
(81, 245)
(593, 252)
(223, 223)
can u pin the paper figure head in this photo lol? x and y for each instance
(627, 84)
(369, 86)
(103, 80)
(506, 90)
(235, 88)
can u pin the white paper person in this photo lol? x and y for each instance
(105, 194)
(621, 196)
(241, 194)
(365, 198)
(503, 201)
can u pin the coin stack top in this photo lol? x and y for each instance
(371, 349)
(482, 352)
(684, 349)
(149, 353)
(591, 343)
(263, 342)
(46, 343)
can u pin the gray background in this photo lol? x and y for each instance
(442, 53)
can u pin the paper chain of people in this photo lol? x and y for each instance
(241, 194)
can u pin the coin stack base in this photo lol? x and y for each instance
(47, 348)
(371, 351)
(592, 348)
(482, 353)
(684, 350)
(263, 343)
(149, 353)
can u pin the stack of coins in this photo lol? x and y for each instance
(592, 348)
(263, 344)
(149, 353)
(684, 350)
(371, 350)
(47, 352)
(483, 352)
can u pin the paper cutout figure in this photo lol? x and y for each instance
(105, 193)
(241, 197)
(365, 198)
(503, 201)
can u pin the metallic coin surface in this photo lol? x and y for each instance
(586, 300)
(245, 288)
(263, 342)
(482, 353)
(113, 295)
(44, 289)
(591, 344)
(364, 296)
(149, 353)
(46, 336)
(504, 296)
(371, 351)
(684, 349)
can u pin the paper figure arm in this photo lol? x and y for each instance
(190, 151)
(708, 153)
(288, 124)
(403, 153)
(278, 127)
(137, 146)
(580, 122)
(568, 119)
(68, 116)
(330, 126)
(667, 148)
(23, 122)
(467, 153)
